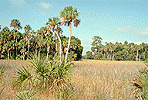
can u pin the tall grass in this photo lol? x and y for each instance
(88, 80)
(105, 80)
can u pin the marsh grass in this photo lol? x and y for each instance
(89, 80)
(107, 80)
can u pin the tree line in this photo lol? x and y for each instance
(117, 52)
(47, 41)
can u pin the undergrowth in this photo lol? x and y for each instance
(144, 79)
(43, 75)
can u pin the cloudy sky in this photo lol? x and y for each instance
(113, 20)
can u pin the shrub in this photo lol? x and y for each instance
(144, 79)
(146, 60)
(50, 75)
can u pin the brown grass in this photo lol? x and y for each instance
(92, 79)
(107, 80)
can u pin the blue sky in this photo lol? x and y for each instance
(113, 20)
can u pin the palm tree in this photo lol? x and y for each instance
(16, 24)
(28, 36)
(34, 43)
(49, 40)
(40, 39)
(8, 46)
(68, 16)
(22, 43)
(5, 40)
(54, 25)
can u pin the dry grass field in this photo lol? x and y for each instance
(91, 79)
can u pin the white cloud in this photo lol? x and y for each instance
(134, 31)
(44, 5)
(18, 2)
(125, 29)
(141, 32)
(108, 29)
(86, 41)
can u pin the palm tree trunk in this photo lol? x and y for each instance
(137, 56)
(47, 55)
(39, 51)
(23, 54)
(16, 46)
(113, 58)
(28, 49)
(48, 50)
(8, 54)
(68, 44)
(104, 54)
(36, 48)
(60, 47)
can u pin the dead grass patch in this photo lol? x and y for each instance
(91, 79)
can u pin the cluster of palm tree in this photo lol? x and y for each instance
(118, 51)
(46, 41)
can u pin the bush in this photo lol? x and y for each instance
(144, 79)
(146, 60)
(50, 75)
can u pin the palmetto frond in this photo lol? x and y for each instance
(22, 75)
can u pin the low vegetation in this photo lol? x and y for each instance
(144, 80)
(89, 79)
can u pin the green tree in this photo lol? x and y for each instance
(8, 46)
(89, 55)
(22, 44)
(28, 36)
(16, 24)
(68, 16)
(76, 47)
(54, 24)
(96, 41)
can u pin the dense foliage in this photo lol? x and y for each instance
(118, 51)
(47, 41)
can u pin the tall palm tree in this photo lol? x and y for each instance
(28, 36)
(54, 24)
(16, 24)
(68, 16)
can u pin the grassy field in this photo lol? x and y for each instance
(91, 79)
